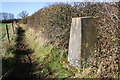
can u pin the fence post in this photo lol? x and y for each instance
(13, 28)
(7, 33)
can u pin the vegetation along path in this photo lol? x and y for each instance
(23, 67)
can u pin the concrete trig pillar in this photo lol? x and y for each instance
(83, 37)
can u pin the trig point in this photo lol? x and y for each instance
(83, 37)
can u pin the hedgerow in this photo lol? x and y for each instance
(55, 22)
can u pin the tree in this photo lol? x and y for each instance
(11, 16)
(6, 16)
(23, 14)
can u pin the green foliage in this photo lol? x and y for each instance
(86, 45)
(52, 62)
(49, 57)
(113, 38)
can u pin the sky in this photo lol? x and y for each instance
(18, 7)
(10, 6)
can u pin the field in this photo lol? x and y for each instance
(4, 37)
(3, 30)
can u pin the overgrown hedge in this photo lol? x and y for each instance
(55, 21)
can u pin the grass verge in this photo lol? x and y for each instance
(49, 59)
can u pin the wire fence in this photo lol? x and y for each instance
(8, 33)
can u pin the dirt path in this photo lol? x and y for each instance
(23, 67)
